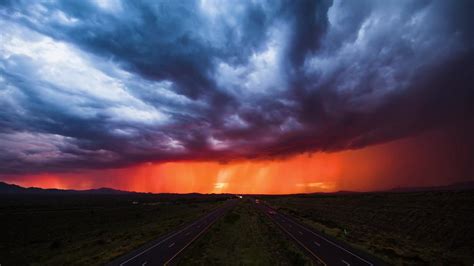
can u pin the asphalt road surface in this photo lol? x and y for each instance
(323, 249)
(165, 249)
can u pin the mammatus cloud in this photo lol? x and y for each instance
(92, 84)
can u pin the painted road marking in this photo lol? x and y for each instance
(299, 242)
(199, 234)
(143, 264)
(171, 245)
(187, 234)
(345, 262)
(327, 240)
(170, 236)
(301, 233)
(317, 244)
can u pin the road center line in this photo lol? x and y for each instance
(220, 214)
(169, 236)
(327, 240)
(171, 245)
(345, 262)
(317, 244)
(299, 242)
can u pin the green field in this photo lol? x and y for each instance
(89, 229)
(243, 237)
(401, 228)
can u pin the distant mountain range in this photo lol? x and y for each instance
(15, 190)
(455, 186)
(6, 188)
(467, 185)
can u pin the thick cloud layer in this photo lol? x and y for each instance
(108, 83)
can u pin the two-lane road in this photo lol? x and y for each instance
(323, 249)
(164, 250)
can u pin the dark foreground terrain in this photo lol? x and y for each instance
(89, 229)
(167, 248)
(415, 228)
(57, 227)
(244, 236)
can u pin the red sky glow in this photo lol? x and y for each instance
(418, 161)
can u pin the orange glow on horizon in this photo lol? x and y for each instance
(408, 162)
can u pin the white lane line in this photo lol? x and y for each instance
(317, 244)
(299, 242)
(143, 264)
(170, 236)
(327, 240)
(172, 244)
(187, 234)
(345, 262)
(198, 235)
(301, 233)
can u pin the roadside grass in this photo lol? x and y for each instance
(243, 237)
(400, 228)
(92, 230)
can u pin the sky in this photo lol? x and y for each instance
(236, 96)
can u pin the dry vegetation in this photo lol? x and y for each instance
(400, 228)
(88, 229)
(244, 237)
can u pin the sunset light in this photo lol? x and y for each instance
(414, 161)
(236, 132)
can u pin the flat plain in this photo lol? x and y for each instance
(72, 228)
(409, 228)
(244, 237)
(89, 229)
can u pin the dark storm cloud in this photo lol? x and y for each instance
(88, 84)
